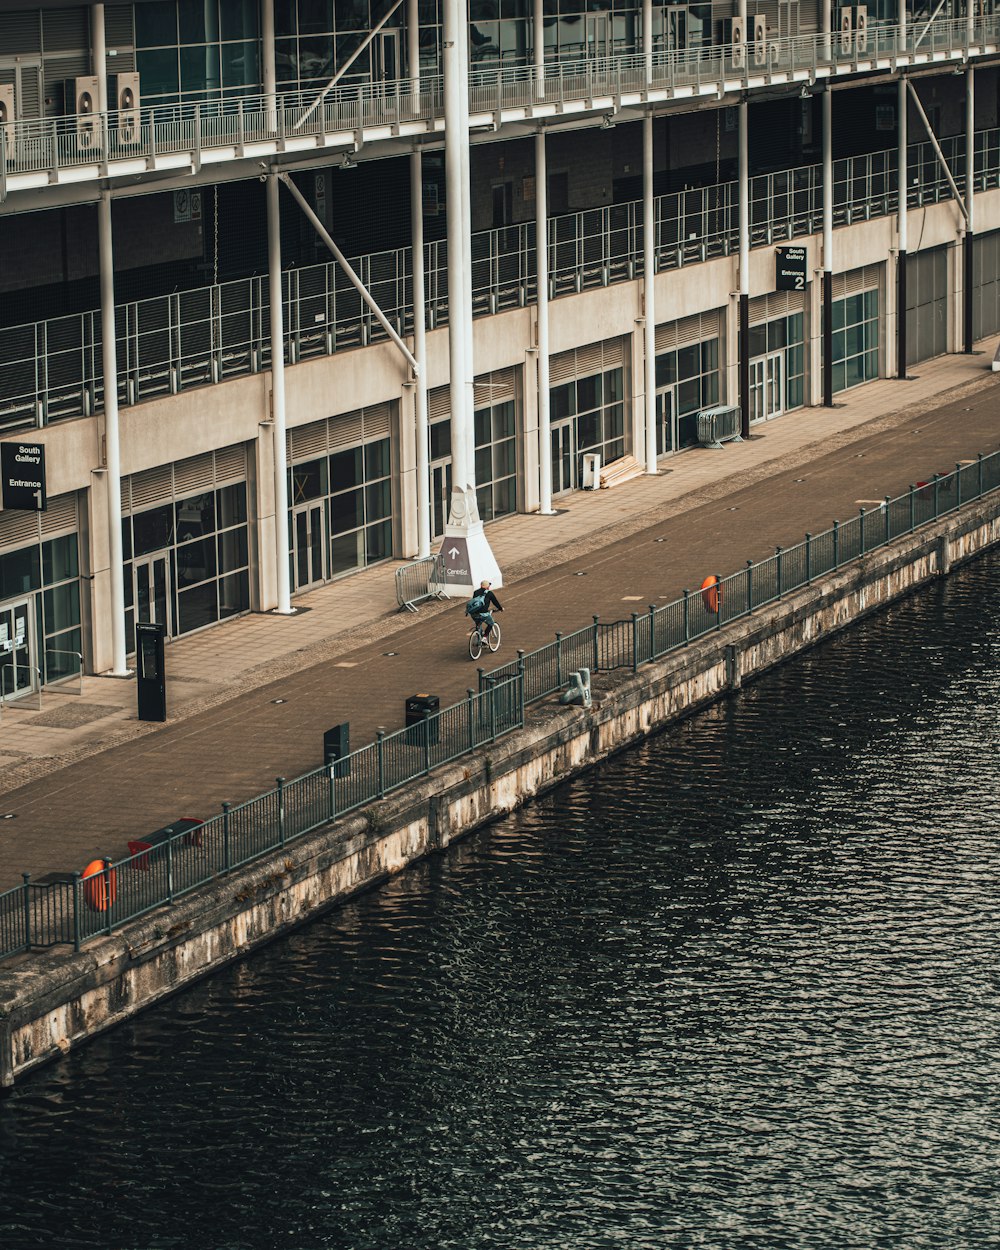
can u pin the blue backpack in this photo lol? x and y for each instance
(476, 604)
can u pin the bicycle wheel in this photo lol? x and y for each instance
(475, 645)
(493, 637)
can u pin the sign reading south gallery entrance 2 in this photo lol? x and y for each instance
(790, 269)
(23, 469)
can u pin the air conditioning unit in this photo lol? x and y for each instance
(759, 39)
(846, 30)
(81, 96)
(7, 117)
(861, 28)
(125, 100)
(737, 36)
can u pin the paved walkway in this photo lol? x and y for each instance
(250, 700)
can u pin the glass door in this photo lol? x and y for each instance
(151, 590)
(666, 434)
(17, 651)
(598, 35)
(385, 57)
(775, 390)
(440, 496)
(766, 387)
(308, 543)
(563, 459)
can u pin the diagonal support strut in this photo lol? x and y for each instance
(937, 150)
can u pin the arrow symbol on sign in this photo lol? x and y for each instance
(454, 552)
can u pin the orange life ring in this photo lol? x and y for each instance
(99, 893)
(711, 594)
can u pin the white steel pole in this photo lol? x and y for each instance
(902, 25)
(902, 227)
(828, 247)
(542, 282)
(454, 141)
(269, 73)
(469, 479)
(968, 243)
(649, 290)
(419, 298)
(744, 243)
(283, 594)
(647, 39)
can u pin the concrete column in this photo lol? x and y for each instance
(828, 247)
(263, 486)
(99, 56)
(281, 587)
(408, 453)
(269, 74)
(902, 26)
(469, 380)
(968, 243)
(530, 439)
(647, 39)
(538, 50)
(649, 291)
(456, 132)
(419, 298)
(826, 27)
(744, 262)
(542, 285)
(902, 219)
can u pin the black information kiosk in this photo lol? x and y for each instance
(150, 679)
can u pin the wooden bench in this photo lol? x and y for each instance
(621, 470)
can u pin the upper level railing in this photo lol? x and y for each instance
(138, 140)
(51, 370)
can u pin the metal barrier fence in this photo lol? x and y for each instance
(608, 645)
(51, 370)
(70, 908)
(413, 582)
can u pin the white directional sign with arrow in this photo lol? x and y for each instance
(456, 562)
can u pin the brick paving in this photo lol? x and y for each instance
(82, 775)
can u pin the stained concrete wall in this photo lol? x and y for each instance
(51, 1002)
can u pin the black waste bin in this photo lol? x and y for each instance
(422, 709)
(337, 746)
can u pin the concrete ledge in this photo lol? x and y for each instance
(52, 1001)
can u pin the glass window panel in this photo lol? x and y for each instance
(200, 69)
(308, 481)
(440, 440)
(239, 19)
(234, 594)
(347, 511)
(195, 561)
(562, 401)
(689, 361)
(240, 65)
(315, 16)
(796, 328)
(379, 541)
(347, 552)
(614, 385)
(839, 377)
(153, 530)
(316, 58)
(157, 70)
(588, 393)
(483, 427)
(484, 465)
(666, 369)
(62, 655)
(709, 355)
(195, 517)
(505, 497)
(503, 420)
(233, 550)
(61, 607)
(155, 24)
(378, 460)
(871, 303)
(231, 505)
(839, 315)
(504, 458)
(198, 20)
(60, 559)
(126, 538)
(346, 469)
(710, 390)
(197, 608)
(776, 334)
(378, 501)
(614, 422)
(484, 501)
(758, 341)
(588, 431)
(689, 395)
(286, 59)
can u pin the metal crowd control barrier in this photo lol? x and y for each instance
(413, 582)
(65, 907)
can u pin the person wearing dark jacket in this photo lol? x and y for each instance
(479, 607)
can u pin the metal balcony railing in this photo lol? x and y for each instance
(51, 370)
(139, 140)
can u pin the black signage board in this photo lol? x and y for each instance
(23, 468)
(150, 679)
(790, 269)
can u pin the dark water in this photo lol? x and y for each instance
(738, 988)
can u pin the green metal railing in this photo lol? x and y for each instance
(70, 908)
(604, 646)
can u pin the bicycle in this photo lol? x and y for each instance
(476, 639)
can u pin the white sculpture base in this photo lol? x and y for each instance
(466, 556)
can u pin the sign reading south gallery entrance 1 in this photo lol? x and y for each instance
(23, 469)
(790, 269)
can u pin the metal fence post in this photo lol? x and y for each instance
(107, 895)
(652, 631)
(27, 911)
(597, 658)
(76, 910)
(809, 575)
(280, 783)
(332, 770)
(749, 582)
(520, 685)
(718, 601)
(170, 870)
(777, 553)
(913, 517)
(559, 679)
(937, 479)
(861, 522)
(225, 836)
(958, 485)
(687, 616)
(472, 718)
(888, 527)
(380, 757)
(493, 711)
(836, 544)
(980, 458)
(635, 642)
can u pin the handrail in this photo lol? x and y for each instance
(42, 914)
(55, 683)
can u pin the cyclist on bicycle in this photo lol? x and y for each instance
(479, 606)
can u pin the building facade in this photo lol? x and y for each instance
(565, 232)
